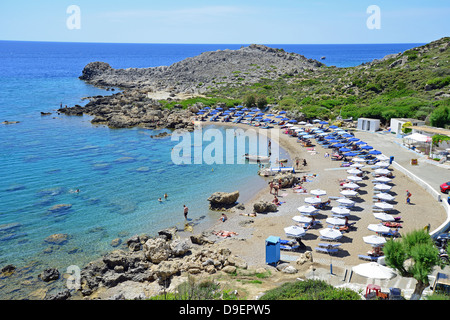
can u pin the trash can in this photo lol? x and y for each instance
(391, 159)
(272, 250)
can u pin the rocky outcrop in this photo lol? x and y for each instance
(223, 200)
(158, 261)
(132, 108)
(195, 74)
(264, 207)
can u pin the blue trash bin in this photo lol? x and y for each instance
(272, 250)
(391, 159)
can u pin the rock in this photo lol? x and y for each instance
(223, 199)
(63, 295)
(237, 262)
(200, 239)
(290, 270)
(10, 122)
(59, 208)
(166, 269)
(116, 242)
(264, 206)
(169, 234)
(304, 258)
(49, 275)
(156, 250)
(8, 270)
(229, 269)
(57, 239)
(179, 247)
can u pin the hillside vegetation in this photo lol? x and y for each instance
(413, 84)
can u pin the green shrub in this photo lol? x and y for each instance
(309, 290)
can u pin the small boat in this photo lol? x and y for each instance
(257, 158)
(323, 58)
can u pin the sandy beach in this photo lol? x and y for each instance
(323, 173)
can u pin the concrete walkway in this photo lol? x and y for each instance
(390, 145)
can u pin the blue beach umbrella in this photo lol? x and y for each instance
(279, 117)
(344, 150)
(353, 139)
(347, 135)
(270, 115)
(338, 145)
(267, 120)
(375, 152)
(334, 141)
(285, 119)
(293, 121)
(200, 113)
(282, 112)
(323, 122)
(333, 127)
(245, 109)
(360, 143)
(366, 147)
(350, 154)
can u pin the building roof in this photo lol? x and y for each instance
(433, 130)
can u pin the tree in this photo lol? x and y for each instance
(440, 117)
(414, 255)
(250, 101)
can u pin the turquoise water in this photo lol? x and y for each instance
(120, 173)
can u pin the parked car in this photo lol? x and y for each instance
(445, 187)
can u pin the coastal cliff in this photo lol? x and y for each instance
(208, 70)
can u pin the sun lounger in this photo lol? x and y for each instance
(329, 245)
(325, 250)
(367, 258)
(289, 245)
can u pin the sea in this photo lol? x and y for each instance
(119, 173)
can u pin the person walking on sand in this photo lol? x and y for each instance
(408, 197)
(304, 163)
(271, 186)
(186, 210)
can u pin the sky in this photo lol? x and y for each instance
(225, 22)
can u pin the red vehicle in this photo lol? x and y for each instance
(445, 187)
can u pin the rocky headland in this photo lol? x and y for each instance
(138, 104)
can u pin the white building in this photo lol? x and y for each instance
(397, 123)
(366, 124)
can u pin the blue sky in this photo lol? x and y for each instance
(215, 21)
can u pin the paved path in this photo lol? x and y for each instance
(390, 145)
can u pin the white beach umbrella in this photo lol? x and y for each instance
(378, 228)
(307, 209)
(349, 193)
(356, 159)
(382, 171)
(345, 202)
(318, 192)
(313, 200)
(335, 221)
(383, 179)
(302, 123)
(354, 178)
(329, 233)
(383, 164)
(374, 240)
(350, 185)
(382, 186)
(383, 216)
(294, 231)
(385, 196)
(373, 270)
(384, 205)
(340, 210)
(302, 219)
(382, 157)
(354, 171)
(357, 165)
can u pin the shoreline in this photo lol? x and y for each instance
(252, 231)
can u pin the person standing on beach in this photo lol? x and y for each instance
(271, 186)
(304, 163)
(186, 210)
(408, 197)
